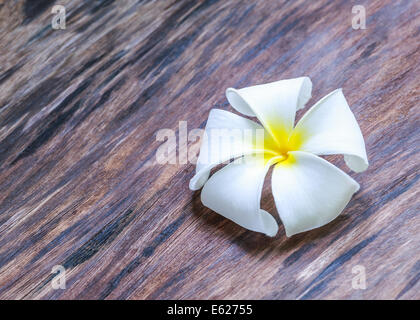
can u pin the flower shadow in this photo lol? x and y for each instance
(260, 245)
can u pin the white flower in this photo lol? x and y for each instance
(308, 191)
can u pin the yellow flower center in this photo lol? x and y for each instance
(278, 144)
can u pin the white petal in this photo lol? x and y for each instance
(215, 148)
(274, 104)
(235, 193)
(309, 191)
(330, 127)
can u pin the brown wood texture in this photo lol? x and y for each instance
(80, 187)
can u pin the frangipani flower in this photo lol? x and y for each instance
(308, 191)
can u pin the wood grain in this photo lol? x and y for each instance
(79, 112)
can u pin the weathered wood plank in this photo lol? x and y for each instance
(79, 112)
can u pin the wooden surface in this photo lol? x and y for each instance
(79, 112)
